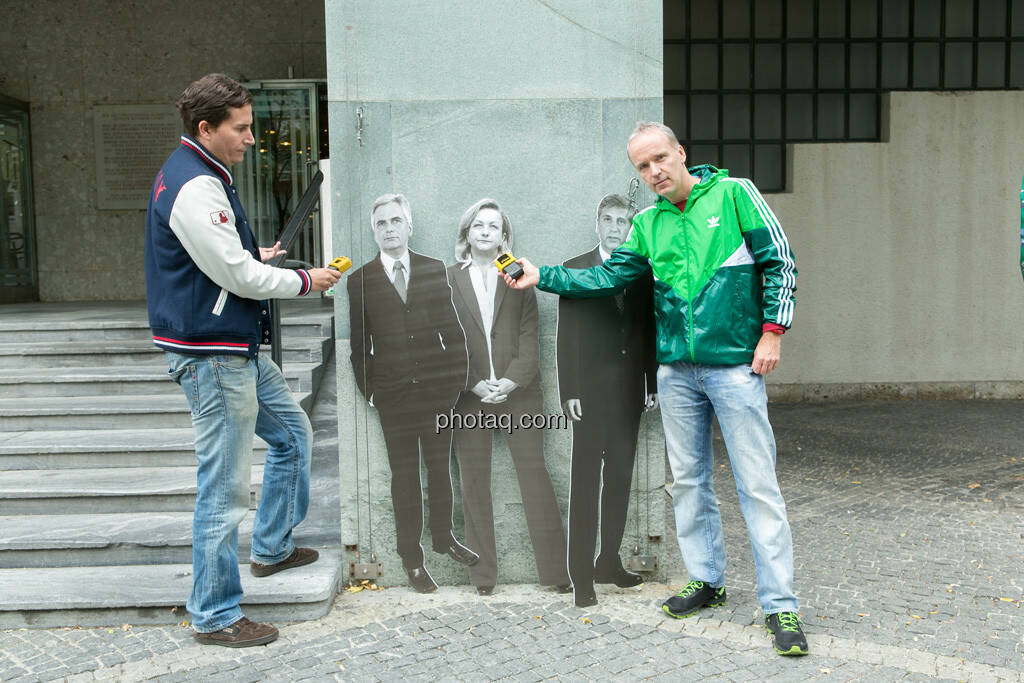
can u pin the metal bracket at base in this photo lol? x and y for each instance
(366, 571)
(642, 563)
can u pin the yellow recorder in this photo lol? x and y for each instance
(506, 263)
(340, 264)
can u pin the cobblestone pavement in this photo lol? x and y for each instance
(908, 523)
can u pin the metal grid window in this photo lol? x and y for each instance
(743, 78)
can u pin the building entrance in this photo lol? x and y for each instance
(18, 278)
(290, 127)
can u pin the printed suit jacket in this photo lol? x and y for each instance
(515, 341)
(606, 345)
(411, 352)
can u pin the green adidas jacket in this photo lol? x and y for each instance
(721, 270)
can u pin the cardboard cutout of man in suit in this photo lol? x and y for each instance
(606, 378)
(409, 358)
(504, 378)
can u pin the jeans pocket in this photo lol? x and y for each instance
(232, 362)
(187, 378)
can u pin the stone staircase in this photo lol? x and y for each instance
(97, 471)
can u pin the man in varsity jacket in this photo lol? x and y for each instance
(206, 286)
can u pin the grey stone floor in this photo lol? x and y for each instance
(908, 522)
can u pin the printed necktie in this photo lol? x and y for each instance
(400, 280)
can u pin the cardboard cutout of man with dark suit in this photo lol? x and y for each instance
(606, 378)
(409, 358)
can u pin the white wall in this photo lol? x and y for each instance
(908, 250)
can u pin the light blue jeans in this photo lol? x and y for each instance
(690, 396)
(232, 397)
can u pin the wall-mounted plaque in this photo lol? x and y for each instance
(132, 143)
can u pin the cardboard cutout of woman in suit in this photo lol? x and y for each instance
(504, 378)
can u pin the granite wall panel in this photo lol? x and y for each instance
(529, 104)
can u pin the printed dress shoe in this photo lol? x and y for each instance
(299, 557)
(421, 580)
(620, 577)
(461, 554)
(585, 597)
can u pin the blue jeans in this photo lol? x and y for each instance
(232, 397)
(690, 396)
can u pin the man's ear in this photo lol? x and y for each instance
(682, 153)
(203, 129)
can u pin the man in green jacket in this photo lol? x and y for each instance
(723, 296)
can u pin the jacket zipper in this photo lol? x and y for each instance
(218, 307)
(689, 301)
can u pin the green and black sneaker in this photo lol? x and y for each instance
(694, 595)
(787, 636)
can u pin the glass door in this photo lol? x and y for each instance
(290, 139)
(18, 280)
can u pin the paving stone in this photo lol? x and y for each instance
(866, 558)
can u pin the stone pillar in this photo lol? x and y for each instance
(529, 103)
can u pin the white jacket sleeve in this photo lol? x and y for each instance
(203, 221)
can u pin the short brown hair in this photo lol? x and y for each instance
(613, 200)
(210, 99)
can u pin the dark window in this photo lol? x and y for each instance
(959, 19)
(799, 65)
(768, 19)
(831, 66)
(863, 65)
(800, 117)
(926, 65)
(895, 18)
(768, 66)
(863, 20)
(927, 18)
(863, 113)
(768, 117)
(736, 66)
(744, 78)
(735, 117)
(832, 18)
(736, 158)
(799, 18)
(959, 65)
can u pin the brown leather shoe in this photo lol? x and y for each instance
(299, 557)
(242, 633)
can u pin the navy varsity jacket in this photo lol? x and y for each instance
(205, 283)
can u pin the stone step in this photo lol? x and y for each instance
(155, 594)
(112, 489)
(128, 353)
(101, 412)
(130, 330)
(118, 538)
(143, 379)
(56, 323)
(84, 449)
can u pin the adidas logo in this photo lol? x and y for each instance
(713, 222)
